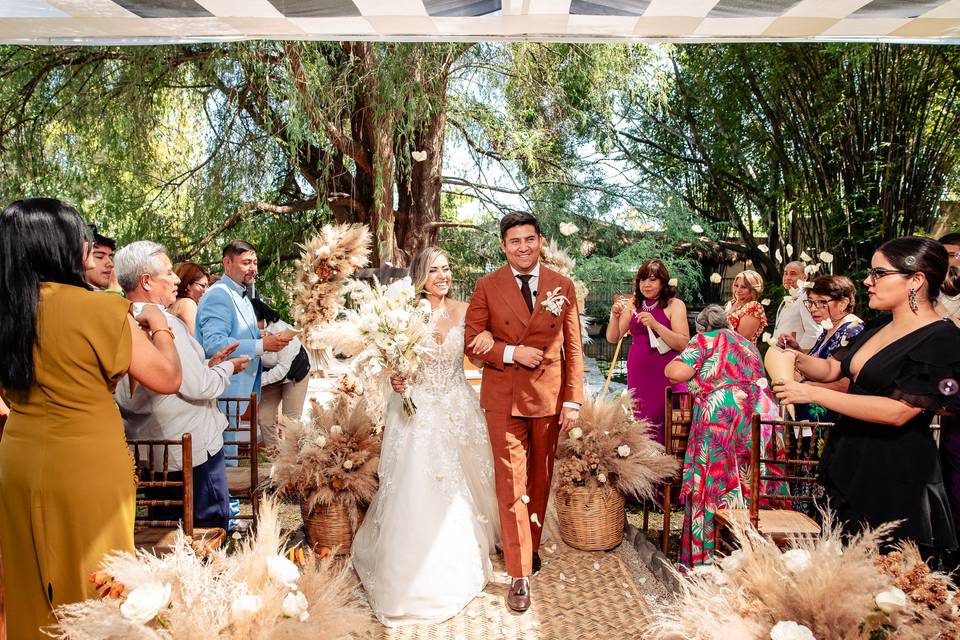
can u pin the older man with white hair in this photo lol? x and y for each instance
(146, 274)
(794, 326)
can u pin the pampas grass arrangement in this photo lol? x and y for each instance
(255, 594)
(332, 459)
(328, 259)
(610, 447)
(821, 588)
(560, 261)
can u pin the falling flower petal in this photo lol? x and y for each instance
(826, 256)
(672, 282)
(766, 336)
(716, 278)
(696, 228)
(525, 499)
(568, 228)
(805, 256)
(827, 324)
(776, 254)
(789, 249)
(764, 248)
(419, 156)
(765, 302)
(535, 519)
(596, 566)
(762, 383)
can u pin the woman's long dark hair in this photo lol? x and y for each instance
(41, 240)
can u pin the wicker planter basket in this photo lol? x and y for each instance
(328, 527)
(591, 519)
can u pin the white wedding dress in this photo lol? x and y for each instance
(423, 550)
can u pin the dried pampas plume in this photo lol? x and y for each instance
(204, 592)
(560, 261)
(328, 259)
(609, 446)
(828, 586)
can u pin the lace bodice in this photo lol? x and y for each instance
(442, 365)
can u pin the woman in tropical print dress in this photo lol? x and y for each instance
(722, 368)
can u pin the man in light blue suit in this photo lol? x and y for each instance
(225, 315)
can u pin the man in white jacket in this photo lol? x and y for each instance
(146, 274)
(794, 323)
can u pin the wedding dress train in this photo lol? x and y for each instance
(423, 550)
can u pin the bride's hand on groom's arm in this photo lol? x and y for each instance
(482, 343)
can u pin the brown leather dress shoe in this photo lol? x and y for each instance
(536, 563)
(518, 598)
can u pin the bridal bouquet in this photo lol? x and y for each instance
(825, 588)
(256, 593)
(385, 333)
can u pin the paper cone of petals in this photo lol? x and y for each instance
(780, 366)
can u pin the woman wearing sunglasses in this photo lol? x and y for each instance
(880, 463)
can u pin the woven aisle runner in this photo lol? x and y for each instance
(576, 595)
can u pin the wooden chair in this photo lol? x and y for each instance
(243, 481)
(779, 521)
(152, 461)
(677, 418)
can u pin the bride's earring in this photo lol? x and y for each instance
(912, 299)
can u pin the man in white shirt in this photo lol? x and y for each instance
(146, 275)
(793, 319)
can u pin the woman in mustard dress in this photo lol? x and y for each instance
(68, 487)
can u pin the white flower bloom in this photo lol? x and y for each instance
(811, 269)
(321, 441)
(891, 600)
(623, 451)
(424, 307)
(336, 429)
(796, 559)
(764, 248)
(696, 228)
(245, 606)
(790, 630)
(575, 434)
(765, 302)
(827, 324)
(716, 278)
(826, 256)
(535, 519)
(568, 228)
(789, 248)
(601, 478)
(776, 254)
(145, 602)
(369, 323)
(805, 256)
(418, 156)
(672, 282)
(348, 464)
(586, 248)
(525, 499)
(281, 570)
(733, 561)
(295, 605)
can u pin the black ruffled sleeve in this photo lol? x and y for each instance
(924, 379)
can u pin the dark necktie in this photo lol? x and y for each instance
(525, 290)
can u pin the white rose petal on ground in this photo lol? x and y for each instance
(144, 603)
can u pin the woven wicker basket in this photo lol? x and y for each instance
(328, 527)
(591, 519)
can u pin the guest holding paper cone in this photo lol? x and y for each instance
(658, 327)
(880, 463)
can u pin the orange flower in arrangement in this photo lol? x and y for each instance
(105, 585)
(337, 484)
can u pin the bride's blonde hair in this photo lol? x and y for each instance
(420, 268)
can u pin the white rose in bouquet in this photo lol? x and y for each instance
(281, 570)
(790, 630)
(245, 606)
(295, 605)
(144, 603)
(891, 600)
(369, 323)
(796, 559)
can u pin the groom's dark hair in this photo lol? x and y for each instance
(516, 219)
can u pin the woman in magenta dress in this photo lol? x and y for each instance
(656, 313)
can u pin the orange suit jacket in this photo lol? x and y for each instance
(497, 306)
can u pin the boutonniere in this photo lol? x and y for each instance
(554, 302)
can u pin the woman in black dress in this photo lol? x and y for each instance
(880, 463)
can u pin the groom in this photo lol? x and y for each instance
(532, 387)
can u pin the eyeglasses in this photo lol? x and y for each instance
(816, 304)
(953, 256)
(879, 272)
(197, 283)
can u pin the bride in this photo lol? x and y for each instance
(423, 550)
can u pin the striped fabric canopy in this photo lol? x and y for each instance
(156, 21)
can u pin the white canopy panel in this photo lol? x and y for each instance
(156, 21)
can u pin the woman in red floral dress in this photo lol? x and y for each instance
(744, 312)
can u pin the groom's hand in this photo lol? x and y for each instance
(568, 418)
(528, 356)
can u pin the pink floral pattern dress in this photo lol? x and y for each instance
(752, 308)
(716, 469)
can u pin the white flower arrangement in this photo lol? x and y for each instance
(554, 302)
(144, 603)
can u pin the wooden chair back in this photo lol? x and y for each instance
(244, 479)
(677, 420)
(152, 461)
